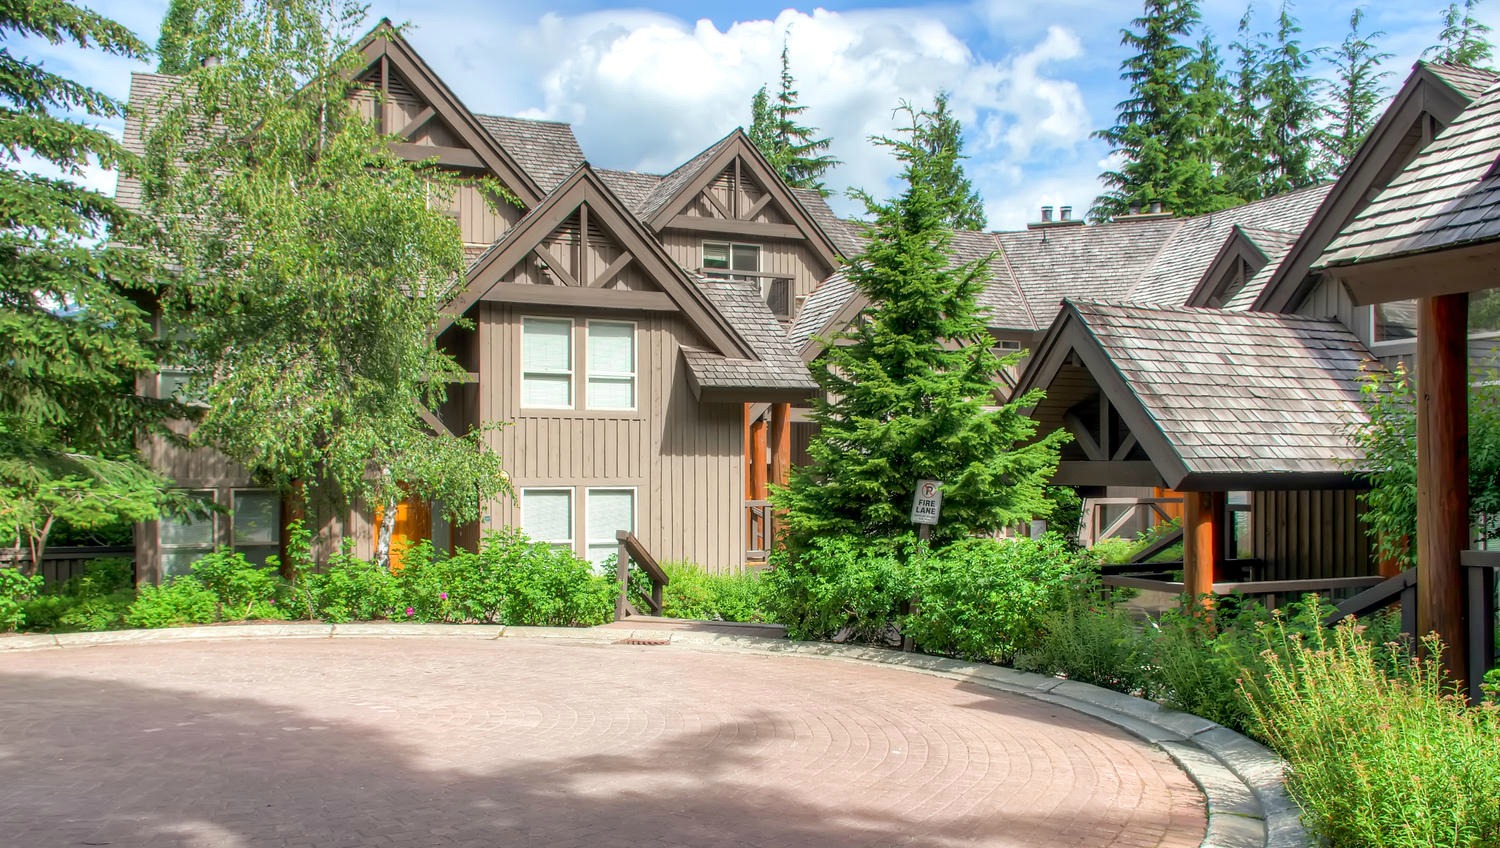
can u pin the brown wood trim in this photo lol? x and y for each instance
(748, 394)
(752, 229)
(1126, 473)
(555, 266)
(613, 270)
(1452, 271)
(781, 443)
(755, 208)
(758, 459)
(454, 157)
(571, 296)
(1442, 471)
(417, 123)
(714, 202)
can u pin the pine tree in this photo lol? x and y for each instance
(1464, 40)
(73, 333)
(1210, 106)
(940, 135)
(907, 388)
(1156, 133)
(191, 29)
(1352, 111)
(790, 147)
(1289, 128)
(310, 263)
(1244, 157)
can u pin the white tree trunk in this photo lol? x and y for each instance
(383, 541)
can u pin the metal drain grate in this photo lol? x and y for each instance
(643, 640)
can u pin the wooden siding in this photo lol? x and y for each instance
(684, 459)
(563, 260)
(1329, 299)
(1310, 534)
(793, 259)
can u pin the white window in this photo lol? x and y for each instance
(184, 539)
(609, 511)
(611, 358)
(723, 259)
(256, 528)
(173, 381)
(547, 363)
(547, 516)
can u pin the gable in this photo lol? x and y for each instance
(1239, 260)
(581, 249)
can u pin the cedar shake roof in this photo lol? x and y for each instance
(1448, 196)
(1469, 81)
(548, 150)
(1173, 276)
(1252, 399)
(683, 174)
(146, 91)
(778, 366)
(846, 235)
(820, 308)
(1102, 261)
(632, 187)
(1275, 244)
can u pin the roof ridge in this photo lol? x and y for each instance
(1218, 312)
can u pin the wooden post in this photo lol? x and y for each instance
(622, 576)
(1202, 543)
(758, 460)
(1442, 470)
(781, 443)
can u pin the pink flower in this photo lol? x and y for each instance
(443, 596)
(410, 612)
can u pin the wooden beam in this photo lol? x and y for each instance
(1442, 470)
(714, 202)
(612, 271)
(457, 157)
(781, 443)
(758, 459)
(757, 206)
(582, 252)
(566, 296)
(385, 92)
(554, 266)
(1452, 271)
(749, 454)
(1089, 473)
(1202, 542)
(1126, 445)
(1091, 448)
(751, 229)
(417, 123)
(737, 190)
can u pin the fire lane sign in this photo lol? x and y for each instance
(928, 503)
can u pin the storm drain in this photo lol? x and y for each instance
(645, 640)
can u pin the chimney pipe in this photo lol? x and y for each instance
(1066, 213)
(1046, 214)
(1135, 209)
(1156, 207)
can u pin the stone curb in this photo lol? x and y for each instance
(1248, 806)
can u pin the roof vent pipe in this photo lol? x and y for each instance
(1046, 214)
(1135, 209)
(1066, 213)
(1156, 207)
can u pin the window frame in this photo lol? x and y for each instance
(234, 543)
(572, 541)
(571, 373)
(163, 549)
(634, 374)
(729, 273)
(588, 494)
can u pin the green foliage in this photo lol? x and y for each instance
(97, 599)
(791, 148)
(350, 589)
(844, 586)
(1357, 94)
(909, 389)
(938, 134)
(1289, 110)
(244, 591)
(1463, 40)
(186, 33)
(546, 585)
(1089, 639)
(182, 600)
(983, 599)
(1378, 757)
(15, 588)
(311, 342)
(692, 592)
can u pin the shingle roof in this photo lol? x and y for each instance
(1101, 261)
(146, 92)
(632, 187)
(1275, 244)
(548, 150)
(1466, 80)
(820, 308)
(1448, 196)
(1237, 392)
(778, 366)
(1193, 246)
(673, 183)
(845, 235)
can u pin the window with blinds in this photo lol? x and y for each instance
(547, 515)
(609, 511)
(184, 539)
(547, 363)
(611, 365)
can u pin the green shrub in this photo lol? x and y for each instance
(542, 584)
(350, 589)
(244, 590)
(101, 577)
(1113, 551)
(1198, 670)
(1089, 639)
(694, 593)
(984, 599)
(848, 586)
(15, 589)
(1382, 753)
(183, 600)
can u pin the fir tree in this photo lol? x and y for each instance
(790, 147)
(1210, 105)
(1289, 129)
(1155, 132)
(1244, 157)
(939, 135)
(1352, 111)
(73, 333)
(907, 388)
(1464, 40)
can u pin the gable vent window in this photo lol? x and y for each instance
(778, 294)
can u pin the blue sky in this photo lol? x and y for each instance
(647, 85)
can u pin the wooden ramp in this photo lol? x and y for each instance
(728, 628)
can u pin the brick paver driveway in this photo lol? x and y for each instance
(432, 742)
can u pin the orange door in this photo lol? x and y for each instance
(413, 524)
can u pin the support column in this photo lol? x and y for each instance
(1202, 542)
(1442, 470)
(758, 459)
(781, 443)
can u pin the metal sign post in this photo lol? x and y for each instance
(926, 506)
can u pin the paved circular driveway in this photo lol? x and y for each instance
(433, 742)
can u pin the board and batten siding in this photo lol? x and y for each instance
(683, 458)
(781, 257)
(1310, 534)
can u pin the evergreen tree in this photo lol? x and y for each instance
(71, 326)
(1244, 157)
(1289, 129)
(937, 134)
(791, 148)
(310, 265)
(1210, 107)
(1352, 112)
(1155, 132)
(1464, 40)
(907, 388)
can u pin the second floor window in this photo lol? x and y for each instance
(725, 259)
(611, 358)
(547, 363)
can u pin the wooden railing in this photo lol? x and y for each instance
(1094, 528)
(60, 563)
(761, 530)
(1268, 592)
(631, 550)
